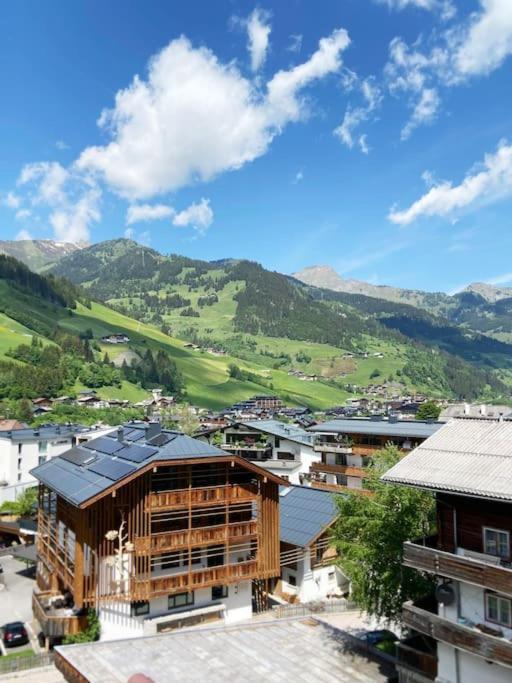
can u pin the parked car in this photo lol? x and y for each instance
(380, 639)
(14, 634)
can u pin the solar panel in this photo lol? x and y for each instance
(78, 457)
(137, 453)
(112, 469)
(104, 445)
(134, 435)
(162, 439)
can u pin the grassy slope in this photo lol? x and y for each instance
(12, 334)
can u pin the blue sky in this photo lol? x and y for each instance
(370, 135)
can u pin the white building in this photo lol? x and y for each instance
(308, 561)
(462, 634)
(283, 449)
(23, 449)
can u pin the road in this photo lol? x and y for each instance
(16, 598)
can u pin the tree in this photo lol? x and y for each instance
(428, 411)
(375, 373)
(369, 535)
(182, 417)
(89, 634)
(24, 410)
(24, 505)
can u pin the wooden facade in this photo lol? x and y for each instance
(188, 525)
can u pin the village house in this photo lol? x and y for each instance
(346, 447)
(118, 338)
(308, 560)
(281, 448)
(22, 449)
(463, 632)
(154, 530)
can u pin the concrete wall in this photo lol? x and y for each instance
(313, 583)
(455, 666)
(116, 621)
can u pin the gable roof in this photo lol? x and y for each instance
(304, 513)
(418, 429)
(280, 429)
(96, 467)
(471, 457)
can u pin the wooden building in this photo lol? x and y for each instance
(347, 446)
(153, 530)
(464, 632)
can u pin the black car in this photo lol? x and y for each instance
(14, 634)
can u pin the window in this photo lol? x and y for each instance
(180, 600)
(292, 579)
(19, 476)
(496, 542)
(498, 609)
(43, 446)
(20, 446)
(41, 459)
(139, 608)
(171, 561)
(19, 463)
(219, 592)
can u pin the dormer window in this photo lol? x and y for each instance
(497, 542)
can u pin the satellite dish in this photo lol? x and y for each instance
(445, 594)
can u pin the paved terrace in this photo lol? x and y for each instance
(293, 650)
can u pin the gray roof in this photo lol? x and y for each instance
(418, 429)
(304, 512)
(282, 430)
(81, 472)
(472, 457)
(44, 432)
(299, 650)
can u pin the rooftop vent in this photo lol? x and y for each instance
(120, 434)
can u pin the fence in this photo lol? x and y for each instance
(9, 666)
(309, 608)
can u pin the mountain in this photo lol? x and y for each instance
(490, 293)
(272, 320)
(327, 278)
(38, 254)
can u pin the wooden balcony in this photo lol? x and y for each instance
(53, 624)
(54, 554)
(332, 447)
(176, 540)
(338, 488)
(418, 654)
(459, 567)
(146, 586)
(348, 470)
(462, 637)
(209, 495)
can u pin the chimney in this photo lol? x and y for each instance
(120, 434)
(483, 410)
(466, 409)
(501, 417)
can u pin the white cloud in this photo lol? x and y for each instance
(355, 116)
(23, 214)
(12, 201)
(299, 177)
(363, 144)
(23, 235)
(195, 117)
(258, 32)
(198, 215)
(295, 43)
(71, 220)
(50, 177)
(503, 279)
(137, 213)
(446, 8)
(425, 111)
(490, 182)
(60, 144)
(487, 41)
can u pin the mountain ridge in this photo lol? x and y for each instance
(39, 254)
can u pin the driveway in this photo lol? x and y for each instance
(16, 598)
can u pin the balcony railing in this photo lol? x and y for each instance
(338, 488)
(462, 637)
(329, 468)
(200, 578)
(175, 540)
(202, 496)
(54, 624)
(415, 655)
(332, 447)
(423, 555)
(245, 447)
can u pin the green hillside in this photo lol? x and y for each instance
(271, 321)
